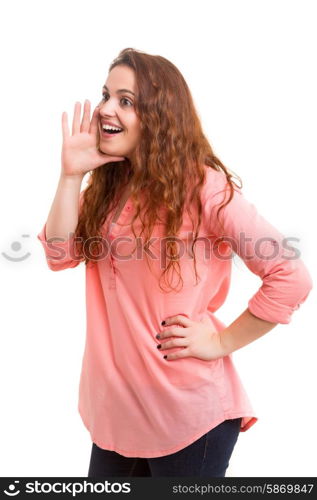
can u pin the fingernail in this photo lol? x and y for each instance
(165, 356)
(158, 336)
(163, 322)
(159, 346)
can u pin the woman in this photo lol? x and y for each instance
(156, 227)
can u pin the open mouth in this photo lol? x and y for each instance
(108, 131)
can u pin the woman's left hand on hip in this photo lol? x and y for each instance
(196, 339)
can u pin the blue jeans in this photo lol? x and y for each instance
(208, 456)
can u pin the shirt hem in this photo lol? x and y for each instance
(251, 420)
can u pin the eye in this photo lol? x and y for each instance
(105, 95)
(127, 100)
(103, 98)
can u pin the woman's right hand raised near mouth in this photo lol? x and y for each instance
(79, 150)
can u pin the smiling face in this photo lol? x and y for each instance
(118, 107)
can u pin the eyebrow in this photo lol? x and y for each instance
(120, 91)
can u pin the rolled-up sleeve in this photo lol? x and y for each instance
(286, 281)
(60, 254)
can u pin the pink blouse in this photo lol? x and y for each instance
(132, 400)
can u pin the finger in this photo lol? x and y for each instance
(76, 118)
(86, 117)
(182, 353)
(94, 121)
(173, 332)
(174, 343)
(179, 319)
(65, 128)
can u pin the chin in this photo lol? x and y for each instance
(106, 148)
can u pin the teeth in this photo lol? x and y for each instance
(109, 127)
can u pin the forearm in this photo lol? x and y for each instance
(63, 216)
(244, 330)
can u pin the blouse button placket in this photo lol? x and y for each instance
(112, 277)
(112, 273)
(113, 269)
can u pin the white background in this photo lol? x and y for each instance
(251, 67)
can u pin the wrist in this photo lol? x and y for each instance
(72, 179)
(225, 346)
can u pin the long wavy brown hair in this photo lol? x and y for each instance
(168, 164)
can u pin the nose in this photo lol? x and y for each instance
(107, 108)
